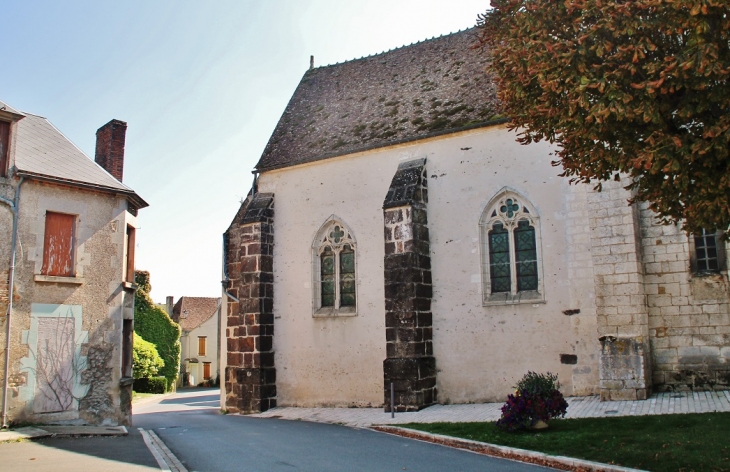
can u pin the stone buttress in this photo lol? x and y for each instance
(250, 375)
(621, 306)
(410, 364)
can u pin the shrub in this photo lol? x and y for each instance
(536, 398)
(146, 361)
(156, 326)
(150, 385)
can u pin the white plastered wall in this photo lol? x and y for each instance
(209, 329)
(480, 350)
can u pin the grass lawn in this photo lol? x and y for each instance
(689, 442)
(140, 396)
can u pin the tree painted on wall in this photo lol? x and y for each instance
(638, 88)
(154, 325)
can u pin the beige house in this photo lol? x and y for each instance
(199, 318)
(396, 234)
(67, 235)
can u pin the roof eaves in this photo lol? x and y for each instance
(330, 155)
(135, 199)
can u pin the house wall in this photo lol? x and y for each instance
(95, 299)
(481, 351)
(189, 342)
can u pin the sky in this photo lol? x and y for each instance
(201, 86)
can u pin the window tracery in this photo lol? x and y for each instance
(334, 270)
(510, 251)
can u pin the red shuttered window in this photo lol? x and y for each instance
(58, 245)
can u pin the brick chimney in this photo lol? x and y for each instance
(110, 147)
(169, 305)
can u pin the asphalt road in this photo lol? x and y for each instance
(203, 439)
(108, 454)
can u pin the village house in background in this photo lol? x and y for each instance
(71, 224)
(397, 234)
(199, 319)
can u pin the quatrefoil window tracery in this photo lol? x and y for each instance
(509, 211)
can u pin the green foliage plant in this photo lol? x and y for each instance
(146, 362)
(156, 326)
(150, 385)
(537, 398)
(631, 91)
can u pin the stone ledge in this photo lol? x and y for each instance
(59, 280)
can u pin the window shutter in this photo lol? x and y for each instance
(58, 245)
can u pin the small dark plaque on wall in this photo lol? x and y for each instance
(568, 359)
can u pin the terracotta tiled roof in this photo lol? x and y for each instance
(191, 312)
(433, 87)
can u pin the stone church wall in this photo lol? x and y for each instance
(480, 351)
(689, 314)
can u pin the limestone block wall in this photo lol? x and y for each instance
(625, 369)
(689, 314)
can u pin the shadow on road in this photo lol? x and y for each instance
(122, 453)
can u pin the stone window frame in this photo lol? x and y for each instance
(486, 221)
(320, 242)
(722, 250)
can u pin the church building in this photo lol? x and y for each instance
(397, 234)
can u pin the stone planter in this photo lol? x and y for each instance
(540, 424)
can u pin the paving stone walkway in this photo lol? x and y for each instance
(578, 407)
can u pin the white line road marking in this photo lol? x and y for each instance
(164, 457)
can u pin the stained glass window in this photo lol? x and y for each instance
(525, 256)
(510, 237)
(327, 265)
(347, 276)
(336, 284)
(706, 252)
(499, 264)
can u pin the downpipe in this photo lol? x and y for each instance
(11, 282)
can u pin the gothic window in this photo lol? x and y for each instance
(707, 252)
(510, 251)
(334, 252)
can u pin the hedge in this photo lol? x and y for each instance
(146, 361)
(150, 385)
(156, 326)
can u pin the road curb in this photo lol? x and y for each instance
(522, 455)
(56, 431)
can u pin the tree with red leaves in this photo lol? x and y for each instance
(638, 88)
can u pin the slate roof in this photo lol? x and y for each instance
(7, 108)
(199, 310)
(43, 152)
(434, 87)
